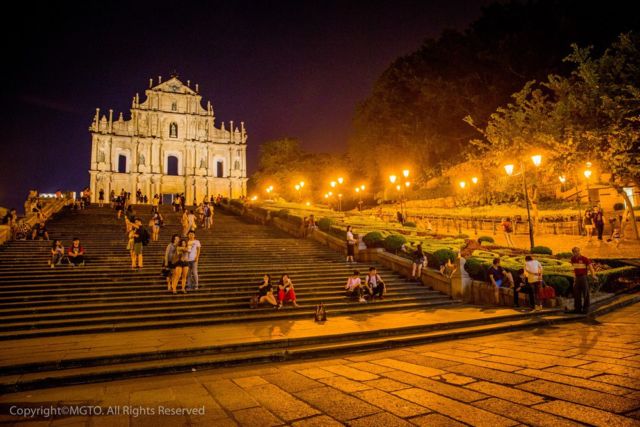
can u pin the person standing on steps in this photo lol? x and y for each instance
(101, 197)
(588, 223)
(351, 244)
(76, 253)
(155, 202)
(419, 259)
(533, 272)
(208, 214)
(598, 222)
(140, 239)
(155, 223)
(171, 260)
(194, 247)
(286, 291)
(581, 267)
(181, 262)
(375, 286)
(265, 292)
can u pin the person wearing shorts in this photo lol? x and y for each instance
(500, 278)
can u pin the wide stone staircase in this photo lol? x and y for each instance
(106, 295)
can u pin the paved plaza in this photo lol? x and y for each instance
(570, 374)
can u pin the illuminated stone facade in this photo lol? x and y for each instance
(169, 145)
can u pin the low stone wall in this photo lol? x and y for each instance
(483, 293)
(50, 207)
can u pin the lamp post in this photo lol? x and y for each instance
(537, 161)
(401, 189)
(587, 175)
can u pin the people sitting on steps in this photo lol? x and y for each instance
(286, 291)
(354, 287)
(265, 292)
(75, 254)
(57, 254)
(375, 286)
(40, 231)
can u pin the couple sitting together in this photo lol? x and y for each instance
(284, 292)
(373, 286)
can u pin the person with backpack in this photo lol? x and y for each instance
(140, 238)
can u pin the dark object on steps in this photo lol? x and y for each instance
(253, 302)
(321, 313)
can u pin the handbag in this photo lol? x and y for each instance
(165, 272)
(321, 313)
(254, 301)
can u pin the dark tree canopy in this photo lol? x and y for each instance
(415, 113)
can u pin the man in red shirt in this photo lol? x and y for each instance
(581, 266)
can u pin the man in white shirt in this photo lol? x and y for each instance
(533, 273)
(193, 246)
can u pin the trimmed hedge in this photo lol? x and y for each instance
(564, 255)
(486, 239)
(410, 224)
(541, 250)
(373, 239)
(441, 255)
(394, 242)
(325, 224)
(462, 236)
(561, 284)
(282, 213)
(476, 268)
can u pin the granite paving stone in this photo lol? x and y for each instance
(409, 367)
(344, 384)
(436, 420)
(382, 419)
(370, 367)
(596, 399)
(386, 384)
(282, 404)
(628, 382)
(507, 393)
(229, 395)
(337, 404)
(430, 362)
(291, 381)
(352, 373)
(524, 414)
(391, 403)
(578, 382)
(610, 368)
(256, 417)
(319, 421)
(489, 374)
(574, 372)
(535, 357)
(454, 409)
(475, 362)
(315, 373)
(586, 414)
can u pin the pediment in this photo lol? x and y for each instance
(174, 85)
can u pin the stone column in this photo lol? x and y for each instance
(92, 185)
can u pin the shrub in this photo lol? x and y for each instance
(485, 239)
(618, 206)
(462, 236)
(608, 277)
(325, 224)
(282, 213)
(543, 250)
(410, 224)
(373, 239)
(561, 284)
(476, 268)
(442, 255)
(394, 242)
(237, 203)
(564, 255)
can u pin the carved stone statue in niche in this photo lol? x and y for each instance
(141, 160)
(100, 156)
(203, 163)
(173, 130)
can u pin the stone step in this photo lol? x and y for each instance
(120, 366)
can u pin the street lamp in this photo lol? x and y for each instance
(392, 178)
(562, 179)
(587, 175)
(474, 179)
(405, 173)
(340, 202)
(537, 161)
(340, 180)
(333, 184)
(462, 184)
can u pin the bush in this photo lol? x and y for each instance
(410, 224)
(237, 203)
(543, 250)
(618, 206)
(561, 284)
(608, 277)
(462, 236)
(325, 224)
(476, 268)
(486, 239)
(564, 255)
(394, 242)
(373, 239)
(282, 213)
(442, 255)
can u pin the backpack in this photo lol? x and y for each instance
(144, 236)
(254, 301)
(207, 211)
(321, 313)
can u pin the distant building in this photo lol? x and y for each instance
(169, 145)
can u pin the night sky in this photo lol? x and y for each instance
(285, 68)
